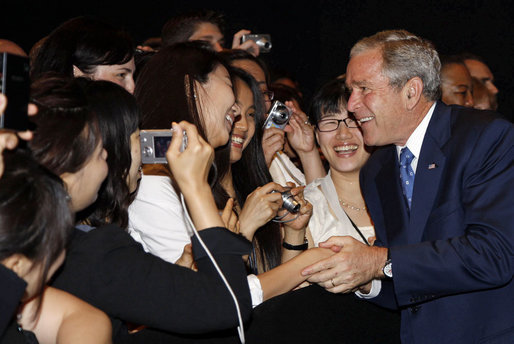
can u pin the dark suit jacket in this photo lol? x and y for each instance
(453, 257)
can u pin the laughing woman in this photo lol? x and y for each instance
(339, 207)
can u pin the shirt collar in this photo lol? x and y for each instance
(415, 140)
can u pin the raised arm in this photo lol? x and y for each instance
(300, 135)
(190, 169)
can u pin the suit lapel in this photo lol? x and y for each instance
(429, 171)
(391, 198)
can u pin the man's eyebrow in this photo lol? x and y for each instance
(357, 83)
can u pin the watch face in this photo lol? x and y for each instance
(388, 269)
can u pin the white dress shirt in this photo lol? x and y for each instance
(414, 144)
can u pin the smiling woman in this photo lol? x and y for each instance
(339, 207)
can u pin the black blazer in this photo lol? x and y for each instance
(111, 271)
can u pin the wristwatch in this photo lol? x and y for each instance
(388, 266)
(388, 269)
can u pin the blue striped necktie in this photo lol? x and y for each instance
(407, 174)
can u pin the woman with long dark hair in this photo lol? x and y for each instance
(188, 82)
(249, 183)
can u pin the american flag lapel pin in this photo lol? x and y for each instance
(432, 166)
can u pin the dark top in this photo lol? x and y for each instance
(109, 269)
(12, 289)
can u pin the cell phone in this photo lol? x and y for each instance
(155, 143)
(15, 84)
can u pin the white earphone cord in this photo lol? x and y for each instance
(240, 328)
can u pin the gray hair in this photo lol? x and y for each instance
(405, 56)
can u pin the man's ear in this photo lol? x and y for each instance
(412, 92)
(18, 263)
(77, 72)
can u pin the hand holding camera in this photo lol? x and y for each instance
(300, 133)
(299, 218)
(260, 207)
(189, 166)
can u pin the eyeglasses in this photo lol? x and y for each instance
(268, 95)
(326, 125)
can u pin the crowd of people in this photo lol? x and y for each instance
(381, 208)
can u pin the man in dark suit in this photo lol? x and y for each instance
(439, 192)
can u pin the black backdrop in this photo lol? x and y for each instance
(312, 39)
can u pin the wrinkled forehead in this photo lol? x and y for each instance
(364, 67)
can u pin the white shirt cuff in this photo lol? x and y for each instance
(255, 290)
(376, 286)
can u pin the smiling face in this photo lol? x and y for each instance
(344, 147)
(122, 75)
(375, 103)
(218, 106)
(244, 127)
(456, 85)
(134, 173)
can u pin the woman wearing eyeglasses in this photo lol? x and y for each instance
(339, 208)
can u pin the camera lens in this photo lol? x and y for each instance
(281, 115)
(289, 203)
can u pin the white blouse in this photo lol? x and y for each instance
(328, 218)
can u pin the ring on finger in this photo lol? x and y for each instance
(332, 281)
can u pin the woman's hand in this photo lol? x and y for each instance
(190, 168)
(304, 214)
(300, 133)
(186, 259)
(260, 207)
(273, 141)
(249, 45)
(229, 217)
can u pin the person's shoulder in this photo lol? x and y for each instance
(467, 118)
(104, 236)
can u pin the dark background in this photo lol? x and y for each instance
(312, 39)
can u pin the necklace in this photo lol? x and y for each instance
(349, 206)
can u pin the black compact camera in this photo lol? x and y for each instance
(155, 143)
(263, 41)
(279, 116)
(15, 84)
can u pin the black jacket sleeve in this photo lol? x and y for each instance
(110, 270)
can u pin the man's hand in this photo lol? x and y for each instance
(353, 265)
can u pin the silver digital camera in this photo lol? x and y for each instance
(155, 143)
(263, 41)
(279, 116)
(288, 201)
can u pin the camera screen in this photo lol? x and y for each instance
(161, 145)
